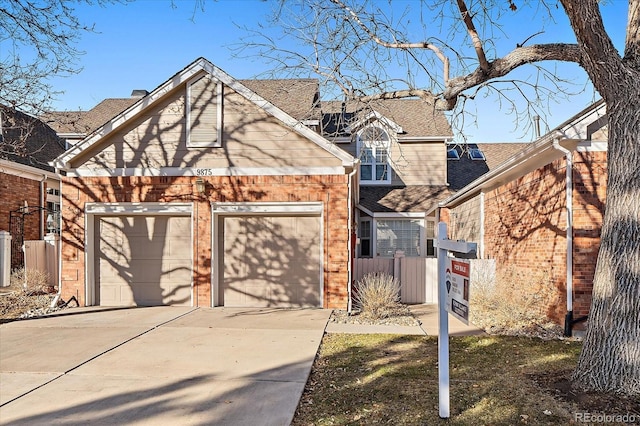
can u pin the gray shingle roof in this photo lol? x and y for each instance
(27, 140)
(462, 172)
(416, 117)
(413, 198)
(85, 122)
(297, 97)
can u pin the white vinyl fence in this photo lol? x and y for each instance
(42, 255)
(418, 276)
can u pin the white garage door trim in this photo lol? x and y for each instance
(221, 210)
(95, 210)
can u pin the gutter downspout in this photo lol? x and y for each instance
(58, 295)
(350, 238)
(42, 204)
(568, 320)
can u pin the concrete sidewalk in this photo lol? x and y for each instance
(427, 315)
(161, 365)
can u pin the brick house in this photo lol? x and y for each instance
(204, 193)
(523, 216)
(29, 186)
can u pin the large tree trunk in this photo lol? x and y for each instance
(610, 358)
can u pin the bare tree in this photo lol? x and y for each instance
(446, 53)
(37, 42)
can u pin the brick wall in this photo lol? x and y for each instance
(14, 190)
(525, 231)
(332, 191)
(525, 228)
(589, 192)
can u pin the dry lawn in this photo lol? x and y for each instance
(495, 380)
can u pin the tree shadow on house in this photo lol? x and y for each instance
(271, 250)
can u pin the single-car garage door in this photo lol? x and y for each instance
(271, 261)
(143, 260)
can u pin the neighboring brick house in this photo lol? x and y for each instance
(29, 186)
(205, 193)
(518, 212)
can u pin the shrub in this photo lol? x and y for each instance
(377, 295)
(514, 304)
(35, 280)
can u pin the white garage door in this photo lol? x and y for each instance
(143, 260)
(271, 261)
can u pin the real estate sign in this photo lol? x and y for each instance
(457, 283)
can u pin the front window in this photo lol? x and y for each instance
(373, 146)
(392, 235)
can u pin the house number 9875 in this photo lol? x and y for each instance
(203, 172)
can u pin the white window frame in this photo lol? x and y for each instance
(373, 145)
(219, 96)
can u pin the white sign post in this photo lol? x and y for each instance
(444, 300)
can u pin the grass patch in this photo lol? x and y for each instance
(391, 379)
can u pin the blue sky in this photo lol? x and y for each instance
(139, 45)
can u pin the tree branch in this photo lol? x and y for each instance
(473, 33)
(396, 45)
(599, 57)
(501, 67)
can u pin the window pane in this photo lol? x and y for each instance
(365, 248)
(381, 155)
(365, 172)
(430, 227)
(366, 155)
(365, 229)
(374, 134)
(395, 235)
(381, 172)
(431, 250)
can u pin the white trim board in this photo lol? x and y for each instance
(206, 171)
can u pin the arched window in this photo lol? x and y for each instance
(373, 148)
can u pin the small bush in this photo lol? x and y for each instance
(377, 296)
(515, 304)
(35, 280)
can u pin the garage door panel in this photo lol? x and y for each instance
(271, 261)
(144, 260)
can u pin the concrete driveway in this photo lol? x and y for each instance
(159, 365)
